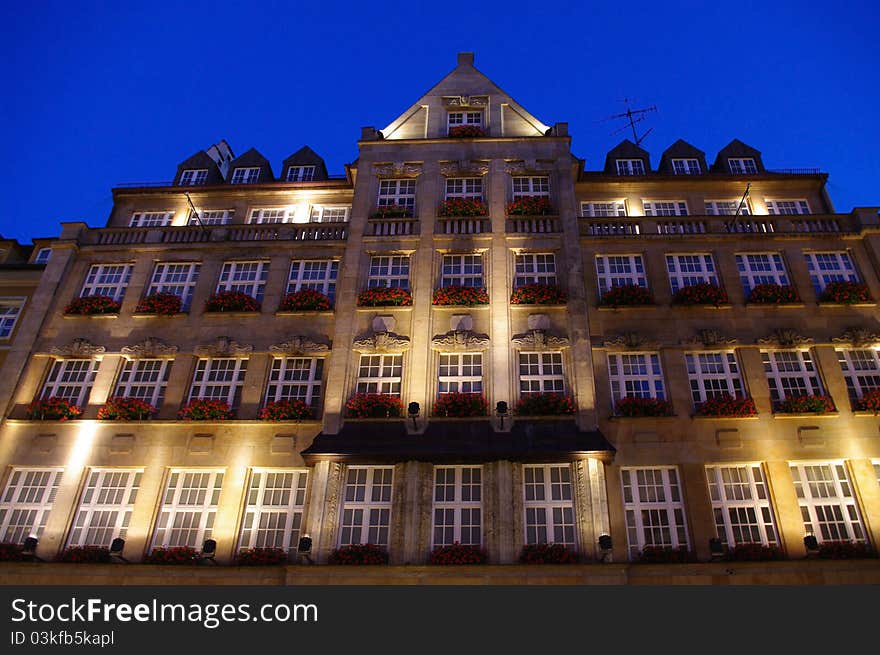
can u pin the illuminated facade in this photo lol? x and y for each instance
(637, 298)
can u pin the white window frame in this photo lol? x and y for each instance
(876, 463)
(828, 504)
(741, 504)
(470, 188)
(218, 378)
(70, 379)
(603, 209)
(665, 207)
(43, 256)
(245, 175)
(830, 266)
(367, 497)
(296, 377)
(272, 215)
(193, 177)
(688, 269)
(463, 270)
(105, 506)
(330, 213)
(534, 268)
(380, 373)
(300, 174)
(761, 268)
(400, 192)
(531, 186)
(713, 374)
(10, 312)
(548, 504)
(315, 274)
(109, 280)
(188, 508)
(619, 270)
(686, 166)
(274, 508)
(541, 372)
(457, 507)
(463, 117)
(179, 278)
(787, 206)
(777, 365)
(742, 165)
(630, 166)
(727, 207)
(389, 271)
(143, 378)
(249, 277)
(151, 219)
(653, 493)
(635, 374)
(27, 501)
(460, 372)
(861, 370)
(212, 217)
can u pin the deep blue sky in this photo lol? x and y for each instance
(97, 94)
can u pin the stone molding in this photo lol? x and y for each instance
(465, 101)
(629, 341)
(460, 340)
(382, 342)
(79, 347)
(539, 340)
(149, 347)
(300, 345)
(223, 346)
(858, 337)
(785, 337)
(397, 169)
(527, 167)
(464, 168)
(709, 338)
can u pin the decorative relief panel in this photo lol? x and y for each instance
(858, 337)
(78, 348)
(397, 169)
(149, 347)
(382, 342)
(630, 341)
(709, 338)
(785, 337)
(460, 340)
(300, 345)
(539, 340)
(223, 347)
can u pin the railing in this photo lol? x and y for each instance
(795, 171)
(533, 224)
(613, 228)
(685, 225)
(388, 227)
(216, 233)
(463, 225)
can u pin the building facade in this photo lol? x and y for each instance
(665, 356)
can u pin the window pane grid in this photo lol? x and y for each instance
(274, 511)
(630, 167)
(397, 192)
(108, 280)
(457, 505)
(460, 372)
(189, 506)
(145, 379)
(212, 217)
(686, 167)
(9, 312)
(105, 507)
(688, 270)
(179, 279)
(549, 505)
(603, 209)
(790, 373)
(761, 268)
(742, 166)
(247, 277)
(300, 174)
(727, 207)
(741, 505)
(296, 378)
(245, 175)
(787, 207)
(653, 509)
(535, 268)
(316, 275)
(620, 270)
(462, 270)
(713, 375)
(861, 370)
(464, 187)
(825, 267)
(151, 219)
(268, 216)
(827, 503)
(635, 374)
(219, 378)
(26, 503)
(390, 271)
(70, 379)
(525, 187)
(366, 506)
(193, 177)
(665, 207)
(380, 374)
(541, 372)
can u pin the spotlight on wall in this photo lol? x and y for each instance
(811, 544)
(116, 548)
(501, 411)
(412, 411)
(605, 546)
(304, 549)
(716, 549)
(209, 550)
(29, 549)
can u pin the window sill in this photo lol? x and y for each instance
(775, 305)
(233, 314)
(304, 312)
(615, 308)
(864, 413)
(803, 415)
(78, 316)
(665, 417)
(534, 306)
(847, 304)
(697, 417)
(461, 307)
(155, 315)
(385, 308)
(702, 306)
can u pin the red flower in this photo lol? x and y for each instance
(773, 294)
(457, 554)
(52, 409)
(538, 294)
(393, 211)
(261, 557)
(164, 304)
(463, 207)
(869, 402)
(458, 404)
(84, 555)
(754, 552)
(232, 301)
(91, 305)
(547, 554)
(356, 554)
(305, 300)
(458, 295)
(845, 292)
(544, 404)
(466, 131)
(205, 409)
(702, 293)
(531, 206)
(844, 550)
(384, 297)
(727, 405)
(126, 409)
(286, 410)
(172, 555)
(374, 405)
(626, 295)
(807, 404)
(635, 406)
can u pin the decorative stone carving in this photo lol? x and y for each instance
(382, 342)
(858, 337)
(397, 169)
(464, 168)
(539, 340)
(465, 101)
(709, 338)
(78, 348)
(785, 337)
(526, 167)
(223, 346)
(149, 347)
(629, 341)
(300, 345)
(460, 340)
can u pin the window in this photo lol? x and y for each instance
(300, 174)
(462, 270)
(296, 377)
(742, 166)
(686, 167)
(274, 511)
(653, 509)
(457, 505)
(630, 167)
(549, 504)
(189, 506)
(315, 274)
(145, 379)
(10, 309)
(877, 470)
(691, 269)
(282, 215)
(219, 378)
(760, 268)
(620, 270)
(246, 175)
(541, 373)
(212, 217)
(790, 373)
(456, 118)
(741, 505)
(105, 507)
(246, 277)
(380, 374)
(827, 503)
(460, 372)
(390, 271)
(861, 369)
(712, 375)
(26, 503)
(70, 379)
(401, 193)
(603, 209)
(825, 267)
(525, 187)
(727, 208)
(151, 219)
(535, 268)
(193, 177)
(43, 255)
(322, 214)
(464, 187)
(107, 280)
(177, 278)
(787, 207)
(665, 207)
(366, 508)
(635, 374)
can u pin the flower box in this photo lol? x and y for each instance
(844, 550)
(287, 410)
(545, 404)
(305, 300)
(84, 555)
(666, 555)
(384, 297)
(531, 206)
(809, 404)
(547, 554)
(458, 554)
(126, 409)
(232, 301)
(374, 405)
(356, 554)
(845, 293)
(635, 406)
(462, 207)
(626, 295)
(773, 294)
(457, 295)
(261, 557)
(172, 555)
(754, 552)
(52, 409)
(702, 293)
(460, 405)
(11, 552)
(393, 211)
(92, 306)
(163, 304)
(728, 406)
(869, 402)
(538, 294)
(205, 409)
(466, 132)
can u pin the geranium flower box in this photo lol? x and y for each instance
(294, 409)
(261, 557)
(703, 293)
(754, 552)
(205, 409)
(807, 404)
(538, 294)
(845, 293)
(626, 295)
(458, 554)
(458, 295)
(305, 300)
(460, 405)
(548, 554)
(232, 301)
(462, 207)
(666, 555)
(52, 409)
(374, 405)
(773, 294)
(845, 550)
(384, 297)
(727, 406)
(84, 555)
(126, 409)
(531, 206)
(359, 554)
(11, 552)
(172, 555)
(393, 211)
(162, 304)
(92, 306)
(869, 402)
(466, 132)
(545, 404)
(636, 407)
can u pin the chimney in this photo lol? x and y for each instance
(465, 58)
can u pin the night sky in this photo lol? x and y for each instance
(98, 95)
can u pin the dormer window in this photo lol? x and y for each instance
(742, 166)
(686, 167)
(246, 175)
(300, 174)
(193, 177)
(630, 167)
(465, 123)
(43, 255)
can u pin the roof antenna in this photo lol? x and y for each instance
(633, 116)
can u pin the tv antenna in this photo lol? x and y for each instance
(633, 116)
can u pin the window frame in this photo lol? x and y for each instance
(845, 499)
(215, 217)
(317, 213)
(821, 279)
(808, 373)
(184, 289)
(741, 165)
(251, 533)
(455, 372)
(462, 515)
(151, 219)
(204, 513)
(716, 207)
(367, 505)
(530, 186)
(399, 192)
(775, 208)
(631, 270)
(665, 208)
(22, 496)
(468, 117)
(201, 380)
(856, 386)
(129, 372)
(462, 269)
(95, 282)
(475, 192)
(754, 494)
(58, 369)
(249, 175)
(635, 508)
(685, 166)
(300, 173)
(603, 209)
(100, 482)
(653, 377)
(547, 378)
(284, 366)
(698, 375)
(231, 268)
(628, 167)
(686, 269)
(527, 269)
(750, 277)
(41, 258)
(193, 177)
(365, 383)
(389, 271)
(553, 497)
(11, 310)
(327, 271)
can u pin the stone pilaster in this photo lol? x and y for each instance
(322, 517)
